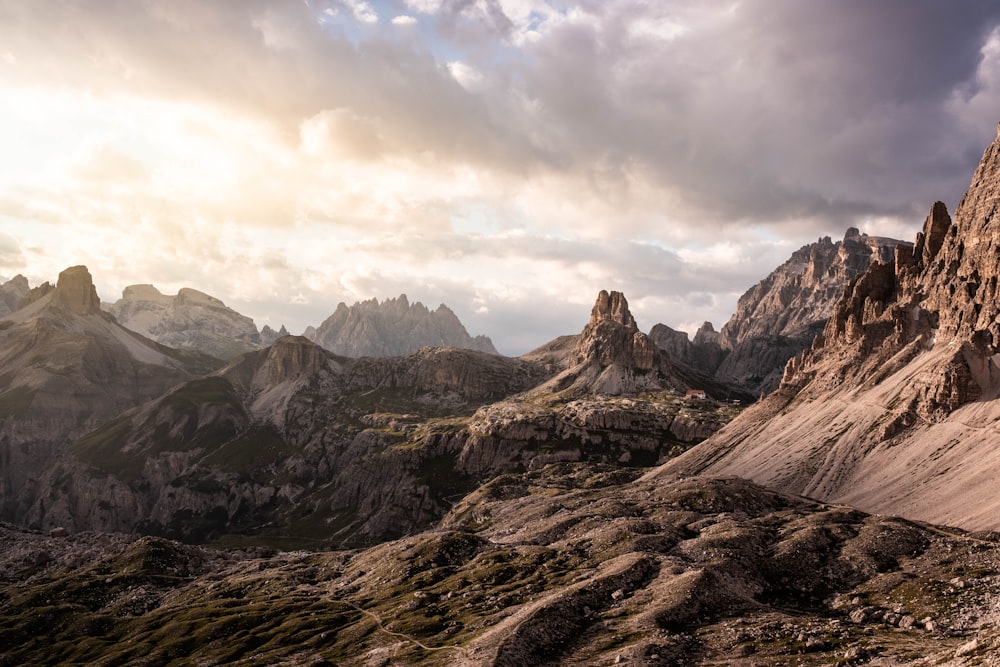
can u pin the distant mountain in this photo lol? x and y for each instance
(778, 317)
(190, 319)
(11, 293)
(65, 368)
(269, 335)
(393, 327)
(894, 408)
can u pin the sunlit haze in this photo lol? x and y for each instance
(509, 158)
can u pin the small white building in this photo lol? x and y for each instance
(696, 394)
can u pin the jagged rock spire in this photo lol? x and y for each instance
(612, 306)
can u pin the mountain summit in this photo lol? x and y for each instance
(893, 408)
(393, 327)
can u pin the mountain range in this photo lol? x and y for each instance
(893, 407)
(580, 504)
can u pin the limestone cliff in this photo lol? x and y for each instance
(891, 406)
(393, 327)
(190, 319)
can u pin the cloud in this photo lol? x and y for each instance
(504, 154)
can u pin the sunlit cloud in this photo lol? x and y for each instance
(501, 156)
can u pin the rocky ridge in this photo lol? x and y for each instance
(779, 317)
(893, 402)
(393, 327)
(190, 319)
(11, 293)
(66, 369)
(368, 448)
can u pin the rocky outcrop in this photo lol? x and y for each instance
(611, 356)
(76, 293)
(11, 293)
(393, 327)
(889, 405)
(190, 319)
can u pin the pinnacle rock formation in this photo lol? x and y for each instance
(75, 292)
(190, 319)
(393, 327)
(889, 407)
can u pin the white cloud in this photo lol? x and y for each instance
(466, 75)
(425, 6)
(403, 20)
(363, 11)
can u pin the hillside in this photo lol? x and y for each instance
(894, 407)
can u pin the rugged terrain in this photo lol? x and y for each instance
(393, 327)
(296, 446)
(779, 317)
(573, 564)
(66, 368)
(894, 408)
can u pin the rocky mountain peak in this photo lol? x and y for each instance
(614, 307)
(706, 334)
(393, 327)
(612, 337)
(75, 291)
(907, 363)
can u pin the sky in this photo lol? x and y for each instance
(509, 158)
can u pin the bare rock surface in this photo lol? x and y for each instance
(893, 407)
(295, 445)
(779, 317)
(11, 293)
(190, 319)
(393, 327)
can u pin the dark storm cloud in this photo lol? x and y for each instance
(775, 110)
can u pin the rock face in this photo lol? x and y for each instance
(891, 404)
(11, 293)
(65, 368)
(190, 319)
(393, 327)
(778, 317)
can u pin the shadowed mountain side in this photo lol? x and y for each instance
(294, 442)
(894, 407)
(65, 368)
